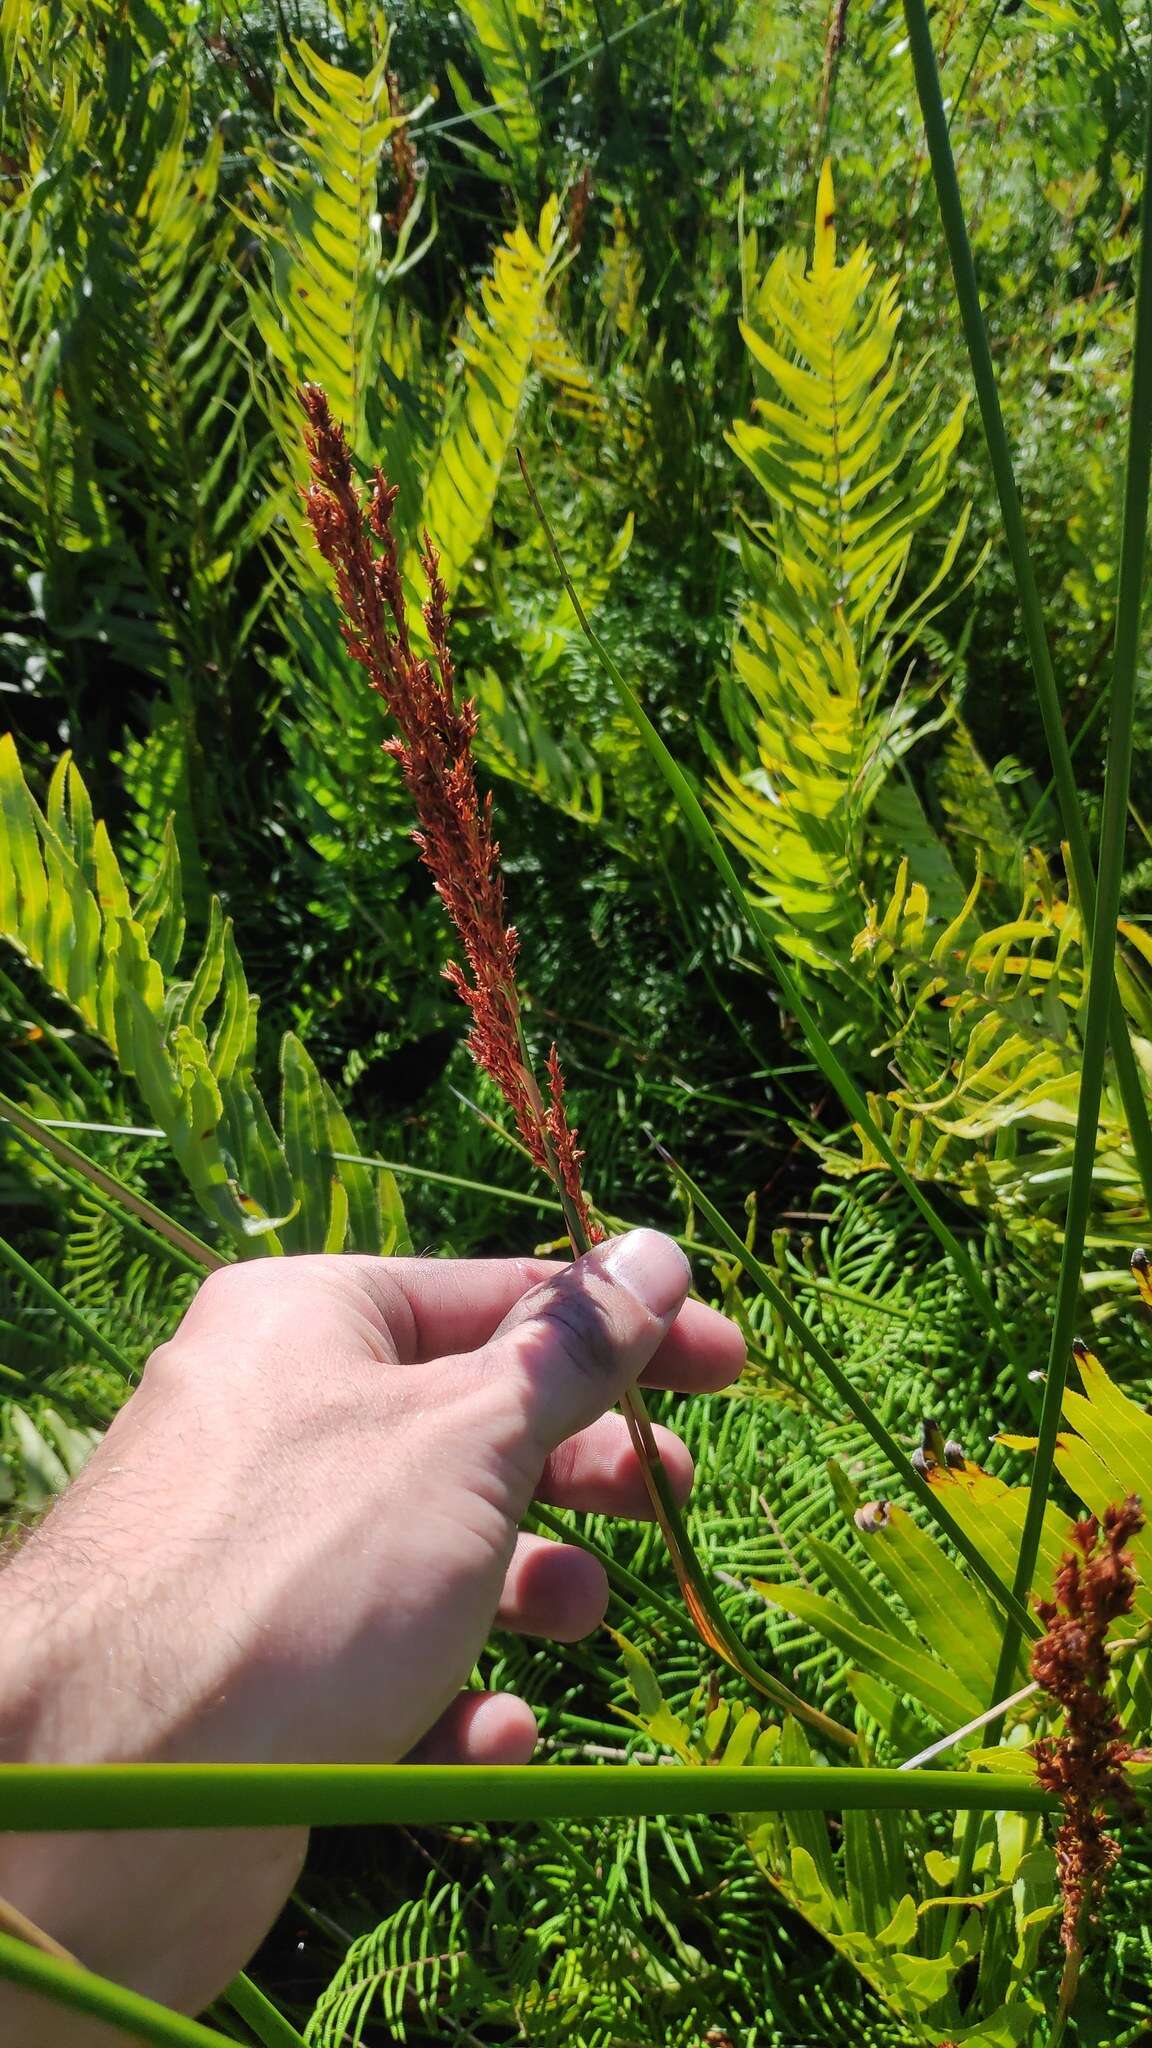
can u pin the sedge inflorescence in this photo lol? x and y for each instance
(435, 730)
(1084, 1766)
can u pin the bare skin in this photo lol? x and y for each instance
(291, 1547)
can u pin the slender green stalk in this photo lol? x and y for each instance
(1009, 1602)
(259, 2013)
(51, 1798)
(42, 1286)
(134, 1212)
(619, 1577)
(1113, 826)
(985, 32)
(59, 1040)
(525, 98)
(1099, 901)
(83, 1991)
(450, 1180)
(707, 1616)
(1048, 696)
(756, 920)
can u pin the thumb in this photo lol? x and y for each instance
(579, 1341)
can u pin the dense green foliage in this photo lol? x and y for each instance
(604, 234)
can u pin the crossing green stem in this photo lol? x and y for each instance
(257, 2012)
(46, 1798)
(133, 1211)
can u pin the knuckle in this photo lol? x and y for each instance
(581, 1332)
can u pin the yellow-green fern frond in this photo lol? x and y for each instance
(497, 348)
(874, 1923)
(820, 707)
(507, 38)
(319, 311)
(986, 1043)
(622, 271)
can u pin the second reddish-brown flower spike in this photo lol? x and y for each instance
(435, 732)
(1085, 1766)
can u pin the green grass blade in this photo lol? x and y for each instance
(755, 920)
(259, 2013)
(1009, 1602)
(83, 1991)
(1105, 1023)
(623, 1582)
(111, 1193)
(42, 1286)
(1113, 828)
(450, 1180)
(50, 1798)
(1048, 697)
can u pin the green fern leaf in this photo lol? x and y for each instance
(497, 348)
(849, 486)
(190, 1047)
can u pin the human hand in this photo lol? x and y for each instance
(291, 1546)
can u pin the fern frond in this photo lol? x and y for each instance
(190, 1046)
(497, 348)
(986, 1041)
(417, 1965)
(319, 307)
(507, 38)
(817, 725)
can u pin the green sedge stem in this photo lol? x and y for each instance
(1113, 828)
(619, 1577)
(82, 1990)
(1040, 656)
(46, 1798)
(269, 2026)
(825, 1056)
(1099, 901)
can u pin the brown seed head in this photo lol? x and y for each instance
(1085, 1765)
(433, 747)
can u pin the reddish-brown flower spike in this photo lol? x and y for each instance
(1085, 1765)
(565, 1150)
(434, 750)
